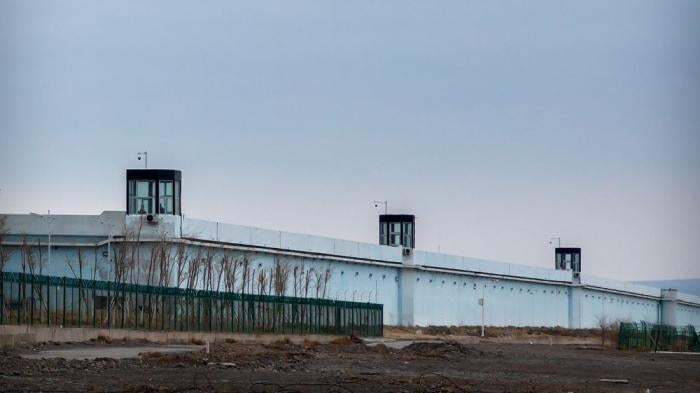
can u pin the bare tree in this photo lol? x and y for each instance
(193, 269)
(298, 279)
(135, 265)
(165, 263)
(208, 267)
(231, 273)
(5, 252)
(223, 265)
(245, 273)
(81, 264)
(262, 281)
(322, 277)
(28, 258)
(281, 277)
(181, 263)
(308, 280)
(123, 258)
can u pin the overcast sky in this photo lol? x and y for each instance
(499, 124)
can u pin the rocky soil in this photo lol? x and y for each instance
(439, 366)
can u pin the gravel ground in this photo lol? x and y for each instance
(440, 366)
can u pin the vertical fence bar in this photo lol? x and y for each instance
(94, 304)
(31, 299)
(2, 297)
(64, 301)
(48, 303)
(109, 305)
(209, 310)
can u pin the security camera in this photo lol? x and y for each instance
(139, 157)
(375, 205)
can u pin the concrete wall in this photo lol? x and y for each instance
(11, 335)
(423, 288)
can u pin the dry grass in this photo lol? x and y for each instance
(308, 344)
(104, 338)
(284, 341)
(345, 340)
(151, 355)
(197, 341)
(231, 340)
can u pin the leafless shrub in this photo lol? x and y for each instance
(608, 330)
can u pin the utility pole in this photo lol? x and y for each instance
(49, 230)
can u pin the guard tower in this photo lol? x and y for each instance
(153, 191)
(567, 258)
(397, 230)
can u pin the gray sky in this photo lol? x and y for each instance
(500, 124)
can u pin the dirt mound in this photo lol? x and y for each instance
(440, 349)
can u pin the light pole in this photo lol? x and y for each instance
(110, 265)
(385, 203)
(143, 154)
(48, 225)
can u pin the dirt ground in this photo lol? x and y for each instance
(399, 366)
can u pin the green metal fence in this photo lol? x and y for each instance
(654, 337)
(68, 302)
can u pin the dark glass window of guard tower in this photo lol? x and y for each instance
(567, 259)
(153, 191)
(397, 230)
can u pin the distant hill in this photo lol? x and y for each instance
(690, 286)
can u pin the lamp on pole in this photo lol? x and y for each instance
(385, 203)
(48, 229)
(143, 154)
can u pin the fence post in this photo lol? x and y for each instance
(80, 303)
(176, 302)
(31, 299)
(94, 303)
(123, 303)
(48, 301)
(2, 297)
(150, 307)
(162, 308)
(64, 301)
(109, 305)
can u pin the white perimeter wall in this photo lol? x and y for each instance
(430, 288)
